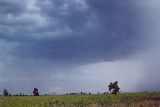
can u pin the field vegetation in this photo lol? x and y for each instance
(149, 99)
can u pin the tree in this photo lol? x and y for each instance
(5, 92)
(114, 88)
(35, 92)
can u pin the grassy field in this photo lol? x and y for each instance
(107, 100)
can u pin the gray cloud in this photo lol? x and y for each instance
(74, 38)
(59, 36)
(14, 7)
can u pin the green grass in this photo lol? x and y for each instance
(76, 100)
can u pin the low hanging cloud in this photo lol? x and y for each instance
(53, 40)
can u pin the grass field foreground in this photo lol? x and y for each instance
(149, 99)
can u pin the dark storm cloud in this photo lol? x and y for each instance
(69, 14)
(115, 32)
(123, 19)
(13, 7)
(71, 31)
(45, 38)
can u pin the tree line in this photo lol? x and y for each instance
(113, 88)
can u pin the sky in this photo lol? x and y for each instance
(63, 46)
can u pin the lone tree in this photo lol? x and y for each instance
(5, 92)
(114, 88)
(35, 92)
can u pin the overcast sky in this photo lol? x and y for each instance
(79, 45)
